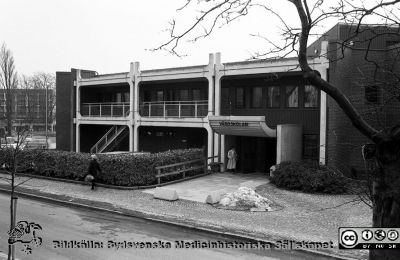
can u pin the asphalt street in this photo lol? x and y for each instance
(65, 229)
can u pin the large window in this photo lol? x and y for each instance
(239, 97)
(256, 97)
(273, 97)
(172, 95)
(310, 96)
(184, 95)
(196, 94)
(226, 103)
(292, 96)
(147, 96)
(160, 95)
(118, 97)
(126, 96)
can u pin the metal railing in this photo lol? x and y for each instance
(110, 109)
(198, 166)
(176, 109)
(110, 136)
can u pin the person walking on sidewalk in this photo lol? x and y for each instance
(93, 170)
(232, 159)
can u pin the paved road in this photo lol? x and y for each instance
(62, 223)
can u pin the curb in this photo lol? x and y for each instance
(169, 221)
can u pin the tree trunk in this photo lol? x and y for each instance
(386, 194)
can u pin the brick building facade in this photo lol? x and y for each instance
(371, 89)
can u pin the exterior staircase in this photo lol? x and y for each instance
(110, 140)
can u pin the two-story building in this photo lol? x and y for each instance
(264, 108)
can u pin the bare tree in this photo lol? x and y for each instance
(312, 14)
(8, 80)
(11, 151)
(26, 86)
(46, 81)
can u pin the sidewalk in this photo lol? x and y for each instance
(303, 216)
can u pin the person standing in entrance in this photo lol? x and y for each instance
(93, 170)
(232, 159)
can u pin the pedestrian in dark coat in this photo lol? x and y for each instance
(94, 169)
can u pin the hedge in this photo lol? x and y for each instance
(308, 177)
(117, 169)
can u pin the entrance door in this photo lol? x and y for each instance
(256, 154)
(247, 154)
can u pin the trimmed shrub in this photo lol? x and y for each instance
(6, 155)
(308, 177)
(117, 169)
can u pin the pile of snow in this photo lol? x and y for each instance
(246, 197)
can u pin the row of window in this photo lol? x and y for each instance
(113, 97)
(272, 96)
(175, 95)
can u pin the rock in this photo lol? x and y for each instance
(228, 201)
(249, 184)
(215, 196)
(225, 201)
(246, 196)
(165, 194)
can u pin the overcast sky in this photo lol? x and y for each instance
(105, 35)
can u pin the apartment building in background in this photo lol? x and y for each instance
(28, 109)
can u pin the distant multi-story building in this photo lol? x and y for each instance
(264, 108)
(28, 109)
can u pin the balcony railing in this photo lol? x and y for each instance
(175, 109)
(116, 109)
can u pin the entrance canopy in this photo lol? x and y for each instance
(241, 126)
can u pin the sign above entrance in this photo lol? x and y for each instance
(230, 123)
(241, 126)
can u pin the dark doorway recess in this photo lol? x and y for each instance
(157, 139)
(256, 154)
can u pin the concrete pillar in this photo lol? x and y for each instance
(289, 145)
(223, 156)
(220, 139)
(131, 89)
(210, 140)
(210, 84)
(78, 94)
(78, 111)
(216, 146)
(136, 138)
(322, 127)
(78, 138)
(135, 94)
(131, 136)
(217, 83)
(323, 105)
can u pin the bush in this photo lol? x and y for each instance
(308, 177)
(117, 169)
(6, 157)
